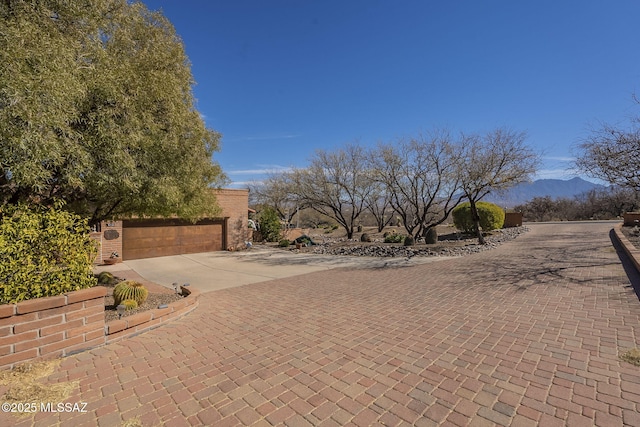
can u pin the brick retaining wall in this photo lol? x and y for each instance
(51, 327)
(46, 328)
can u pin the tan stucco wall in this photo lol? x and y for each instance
(234, 204)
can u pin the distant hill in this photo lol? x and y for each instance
(554, 188)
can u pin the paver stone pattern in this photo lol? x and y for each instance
(526, 334)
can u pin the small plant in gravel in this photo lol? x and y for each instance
(130, 289)
(393, 238)
(631, 356)
(284, 243)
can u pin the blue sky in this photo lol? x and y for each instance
(283, 78)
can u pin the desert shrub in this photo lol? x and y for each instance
(409, 241)
(491, 216)
(269, 224)
(392, 237)
(284, 243)
(43, 252)
(130, 289)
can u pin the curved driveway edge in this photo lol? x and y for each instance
(526, 334)
(627, 246)
(212, 271)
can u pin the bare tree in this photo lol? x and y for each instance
(612, 155)
(421, 178)
(335, 184)
(493, 162)
(378, 204)
(275, 191)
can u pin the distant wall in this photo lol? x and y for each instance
(631, 218)
(512, 219)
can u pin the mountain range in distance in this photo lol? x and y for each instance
(554, 188)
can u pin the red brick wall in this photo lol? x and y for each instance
(51, 327)
(235, 204)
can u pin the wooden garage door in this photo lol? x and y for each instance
(163, 237)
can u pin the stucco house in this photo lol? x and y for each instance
(148, 238)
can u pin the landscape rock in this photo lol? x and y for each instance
(389, 250)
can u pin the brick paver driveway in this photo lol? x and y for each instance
(526, 334)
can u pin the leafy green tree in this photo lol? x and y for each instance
(43, 252)
(97, 109)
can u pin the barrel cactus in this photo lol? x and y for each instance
(409, 241)
(130, 289)
(106, 278)
(431, 236)
(130, 304)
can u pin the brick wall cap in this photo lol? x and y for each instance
(7, 310)
(38, 304)
(86, 294)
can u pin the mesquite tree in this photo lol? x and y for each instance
(421, 178)
(335, 184)
(495, 161)
(97, 110)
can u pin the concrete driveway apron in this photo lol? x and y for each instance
(220, 270)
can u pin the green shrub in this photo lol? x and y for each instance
(43, 252)
(284, 243)
(130, 289)
(392, 237)
(269, 224)
(491, 216)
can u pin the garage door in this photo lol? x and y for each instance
(163, 237)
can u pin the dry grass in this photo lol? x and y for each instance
(24, 384)
(133, 422)
(631, 356)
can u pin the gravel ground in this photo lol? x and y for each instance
(449, 245)
(153, 301)
(633, 234)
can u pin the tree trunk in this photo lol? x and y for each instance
(476, 221)
(349, 231)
